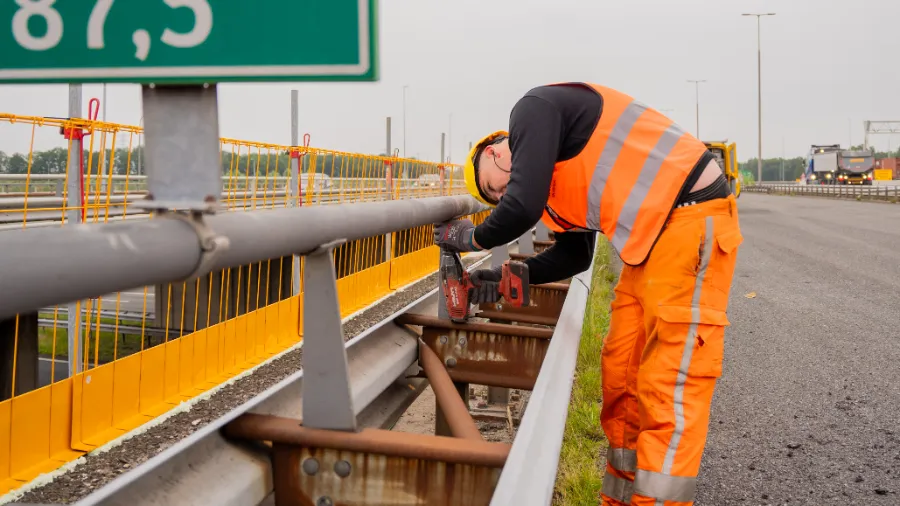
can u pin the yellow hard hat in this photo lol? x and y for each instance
(469, 172)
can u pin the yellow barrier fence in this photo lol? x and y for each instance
(143, 351)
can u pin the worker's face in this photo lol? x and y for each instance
(493, 170)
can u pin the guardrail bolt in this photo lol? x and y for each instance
(443, 339)
(324, 501)
(499, 307)
(451, 362)
(310, 466)
(342, 468)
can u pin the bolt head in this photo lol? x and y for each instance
(463, 341)
(310, 466)
(443, 339)
(342, 468)
(324, 501)
(451, 362)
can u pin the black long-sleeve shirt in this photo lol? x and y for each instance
(548, 125)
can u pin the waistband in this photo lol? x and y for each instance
(726, 206)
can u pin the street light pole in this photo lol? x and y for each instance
(697, 89)
(759, 90)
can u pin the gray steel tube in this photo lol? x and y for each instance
(47, 266)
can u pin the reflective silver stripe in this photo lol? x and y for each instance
(617, 488)
(664, 487)
(641, 188)
(607, 159)
(623, 459)
(688, 349)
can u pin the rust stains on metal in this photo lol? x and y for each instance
(377, 479)
(491, 328)
(546, 301)
(454, 408)
(541, 246)
(489, 359)
(518, 317)
(562, 287)
(383, 442)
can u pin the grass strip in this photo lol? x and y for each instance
(579, 477)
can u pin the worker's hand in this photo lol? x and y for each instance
(455, 235)
(486, 285)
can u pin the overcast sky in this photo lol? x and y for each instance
(827, 66)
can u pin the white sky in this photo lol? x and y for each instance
(827, 66)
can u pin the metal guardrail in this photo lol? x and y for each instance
(875, 192)
(96, 259)
(213, 466)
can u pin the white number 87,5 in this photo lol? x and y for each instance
(44, 8)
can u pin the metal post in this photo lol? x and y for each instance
(182, 127)
(104, 162)
(450, 138)
(73, 216)
(526, 243)
(327, 398)
(404, 119)
(541, 232)
(443, 138)
(759, 92)
(293, 178)
(389, 182)
(759, 100)
(697, 92)
(498, 395)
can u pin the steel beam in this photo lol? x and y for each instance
(324, 467)
(490, 354)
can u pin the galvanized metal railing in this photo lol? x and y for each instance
(367, 383)
(108, 363)
(882, 192)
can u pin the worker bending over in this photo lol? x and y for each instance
(584, 158)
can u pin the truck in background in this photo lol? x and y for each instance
(821, 164)
(726, 155)
(856, 166)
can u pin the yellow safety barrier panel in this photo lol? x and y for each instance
(143, 351)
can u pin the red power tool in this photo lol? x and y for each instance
(514, 283)
(455, 285)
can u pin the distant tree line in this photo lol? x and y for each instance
(272, 163)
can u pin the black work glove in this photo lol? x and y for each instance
(487, 285)
(455, 235)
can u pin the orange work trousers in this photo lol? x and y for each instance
(663, 355)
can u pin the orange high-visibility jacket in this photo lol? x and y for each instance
(625, 181)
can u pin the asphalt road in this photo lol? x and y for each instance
(808, 408)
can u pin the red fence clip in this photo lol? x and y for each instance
(93, 111)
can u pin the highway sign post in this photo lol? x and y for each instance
(187, 41)
(178, 50)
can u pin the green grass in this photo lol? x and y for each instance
(579, 477)
(108, 347)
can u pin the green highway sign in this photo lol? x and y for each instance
(187, 41)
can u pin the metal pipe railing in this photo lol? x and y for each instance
(84, 261)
